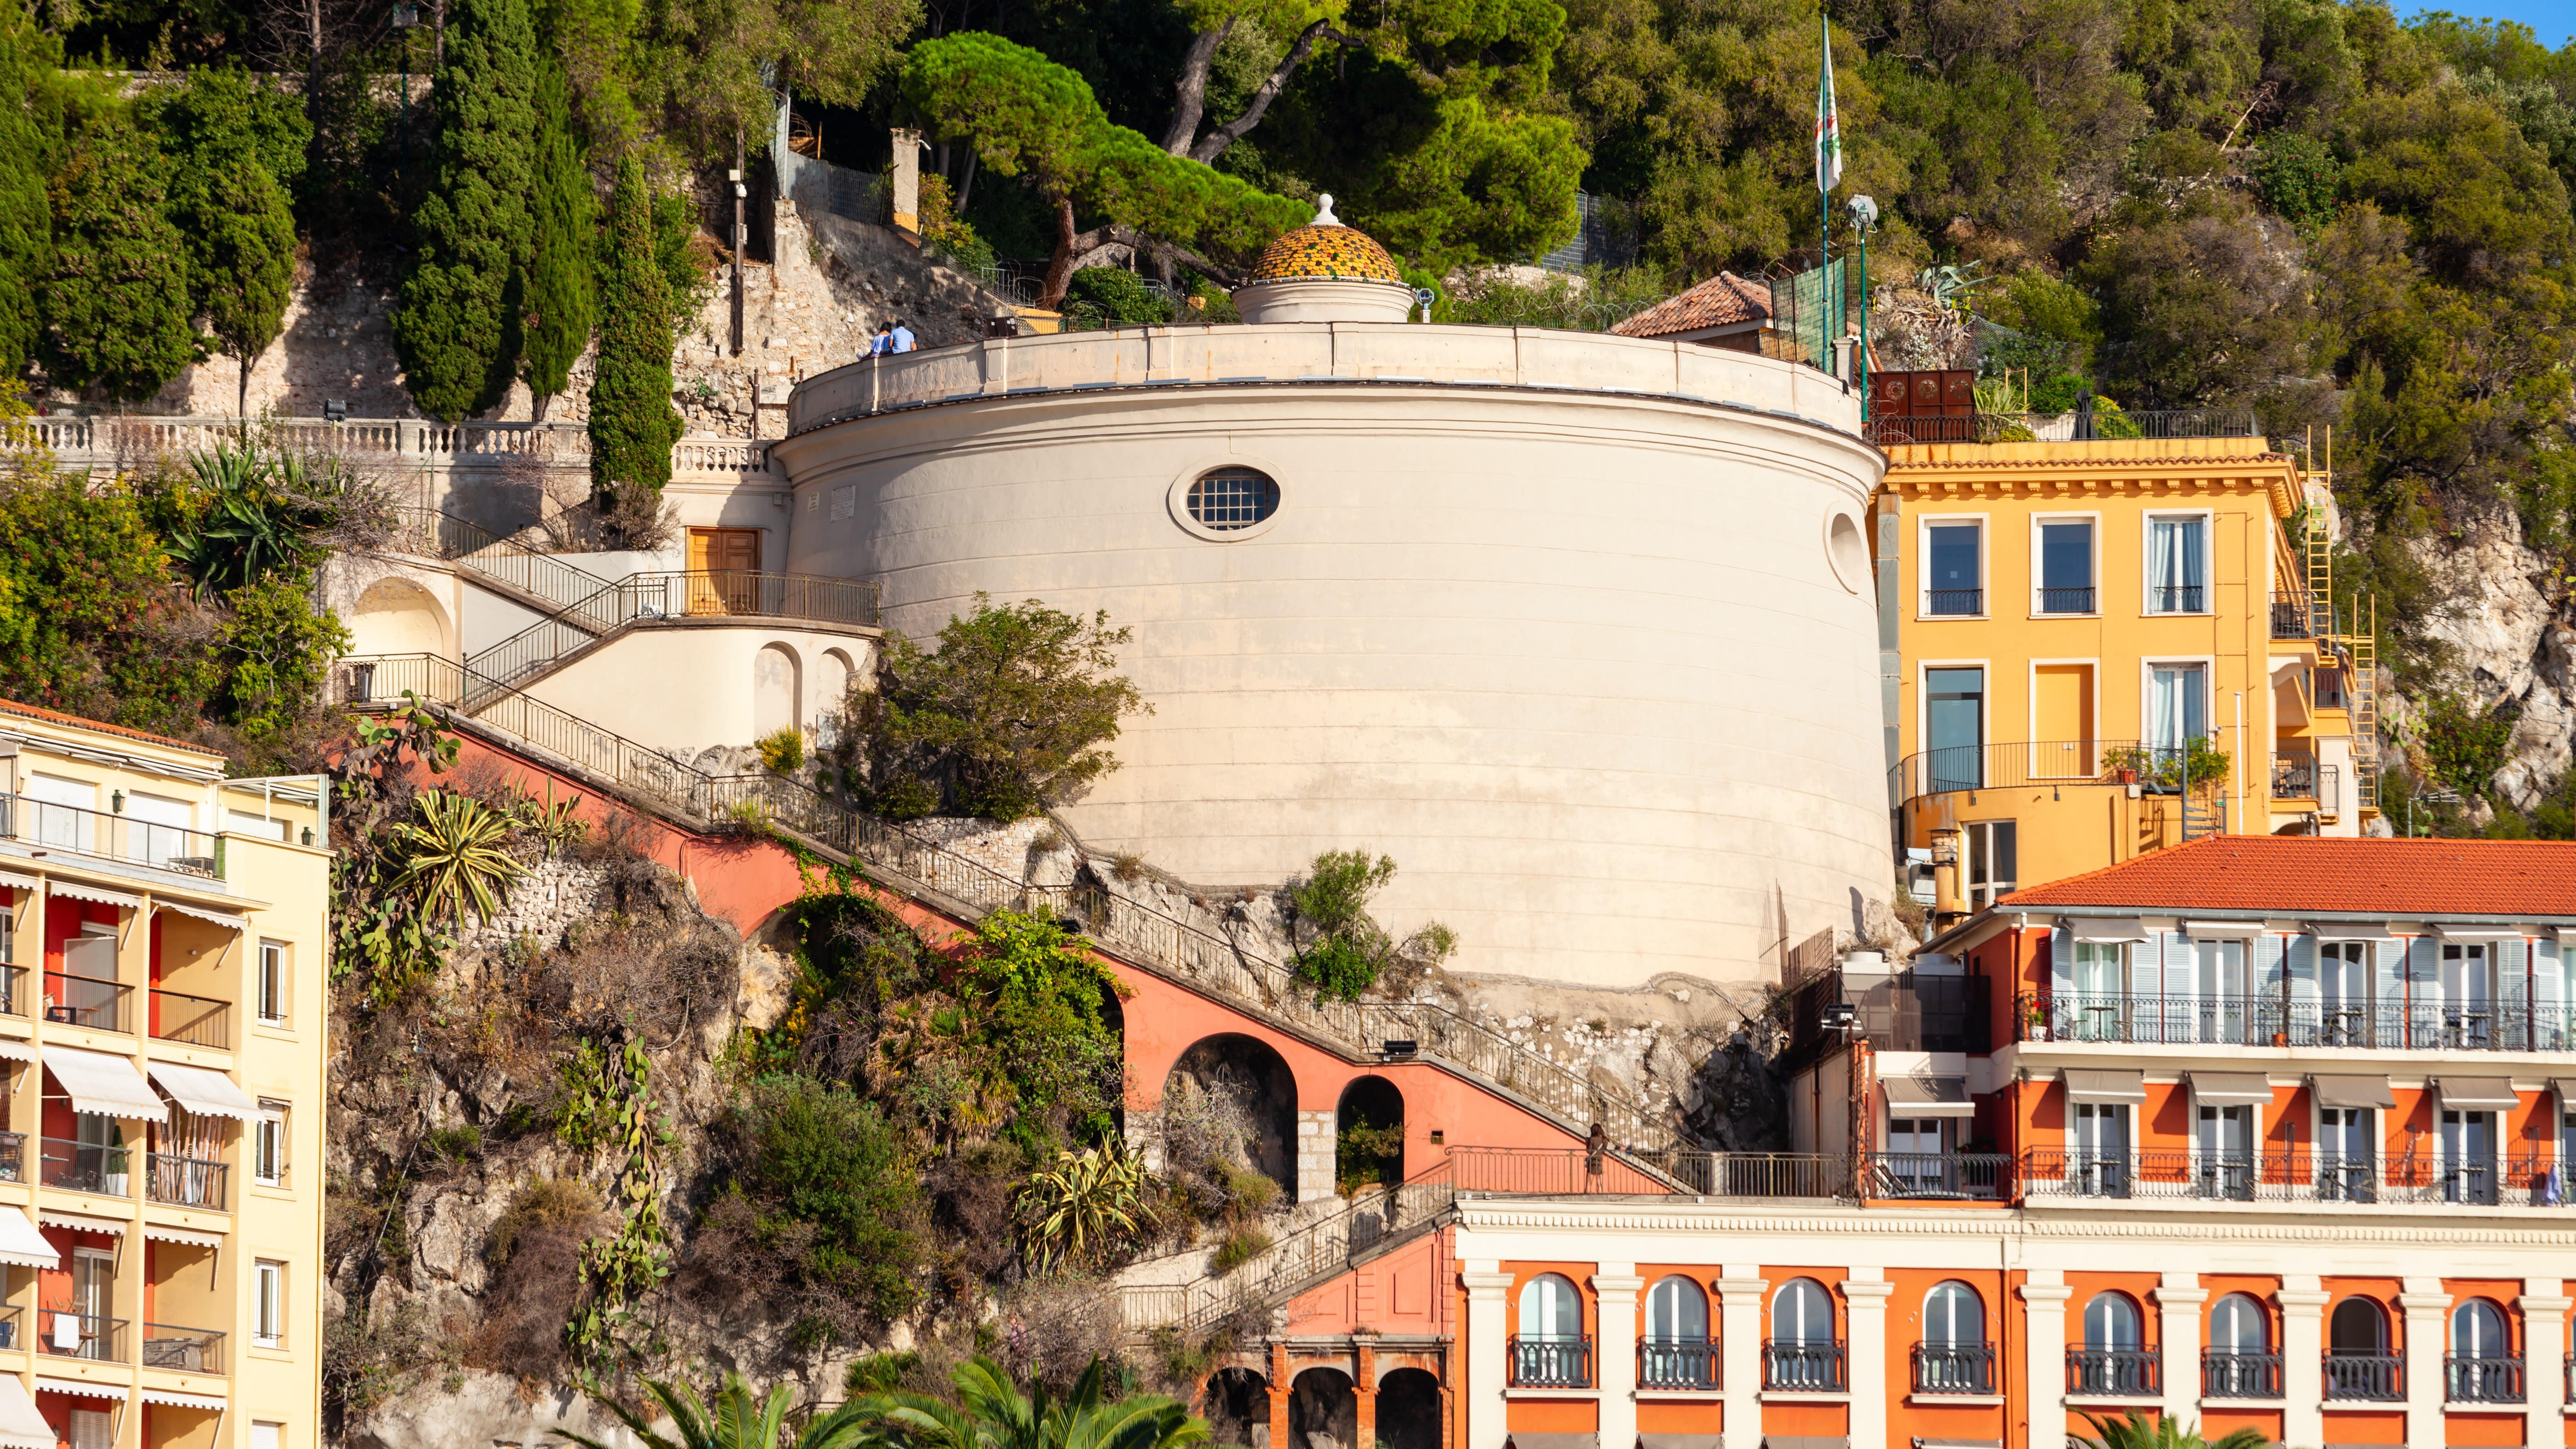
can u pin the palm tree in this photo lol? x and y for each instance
(991, 1413)
(737, 1422)
(2134, 1431)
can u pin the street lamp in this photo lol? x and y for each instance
(1864, 219)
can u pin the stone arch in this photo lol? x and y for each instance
(1368, 1135)
(1236, 1404)
(775, 675)
(1408, 1409)
(1233, 1089)
(398, 616)
(1323, 1411)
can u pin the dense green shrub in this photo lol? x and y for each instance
(1341, 949)
(1112, 297)
(2463, 745)
(117, 314)
(2298, 177)
(829, 1182)
(1013, 711)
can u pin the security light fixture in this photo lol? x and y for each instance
(335, 410)
(1400, 1047)
(1837, 1017)
(405, 17)
(1864, 212)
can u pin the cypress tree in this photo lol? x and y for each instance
(560, 302)
(632, 422)
(117, 319)
(27, 56)
(458, 328)
(236, 146)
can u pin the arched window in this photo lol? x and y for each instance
(2111, 1323)
(1551, 1309)
(2478, 1330)
(2358, 1327)
(1954, 1316)
(1801, 1313)
(1676, 1311)
(2238, 1324)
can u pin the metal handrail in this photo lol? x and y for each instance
(1813, 1367)
(80, 1335)
(2294, 776)
(1547, 1362)
(2067, 599)
(2482, 1378)
(98, 1004)
(2005, 766)
(2065, 427)
(2260, 1019)
(1679, 1363)
(672, 594)
(183, 1350)
(13, 1157)
(2227, 1374)
(2373, 1377)
(1954, 1368)
(1316, 1250)
(109, 835)
(1122, 926)
(2291, 617)
(188, 1181)
(446, 536)
(90, 1167)
(201, 1020)
(2115, 1372)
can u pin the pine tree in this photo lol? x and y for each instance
(632, 422)
(458, 328)
(560, 302)
(236, 146)
(27, 57)
(117, 319)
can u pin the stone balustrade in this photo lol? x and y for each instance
(105, 443)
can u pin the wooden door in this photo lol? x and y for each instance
(723, 568)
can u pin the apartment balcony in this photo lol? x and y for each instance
(2481, 1379)
(1678, 1363)
(2378, 1378)
(2042, 764)
(2178, 599)
(1954, 1368)
(86, 1167)
(1961, 1176)
(2236, 1375)
(1551, 1363)
(2073, 599)
(187, 1181)
(1954, 603)
(107, 835)
(2126, 1373)
(2291, 617)
(1895, 431)
(91, 1002)
(2266, 1020)
(1805, 1367)
(183, 1350)
(192, 1020)
(13, 1157)
(76, 1335)
(2406, 1174)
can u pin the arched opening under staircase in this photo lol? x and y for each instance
(1323, 1412)
(1368, 1136)
(1234, 1094)
(1408, 1410)
(1236, 1404)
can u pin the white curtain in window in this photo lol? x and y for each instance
(2164, 710)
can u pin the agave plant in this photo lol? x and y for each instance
(255, 512)
(991, 1413)
(2135, 1431)
(454, 856)
(1072, 1207)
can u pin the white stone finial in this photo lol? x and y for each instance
(1324, 212)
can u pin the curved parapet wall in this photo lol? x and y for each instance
(1578, 628)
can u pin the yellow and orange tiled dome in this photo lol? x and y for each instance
(1325, 248)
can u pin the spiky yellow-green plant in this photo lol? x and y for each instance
(1073, 1207)
(455, 856)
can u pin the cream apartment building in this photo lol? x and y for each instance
(163, 1034)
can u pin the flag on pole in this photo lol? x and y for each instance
(1829, 124)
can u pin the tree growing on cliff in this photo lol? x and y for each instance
(117, 319)
(458, 326)
(1022, 112)
(27, 57)
(560, 301)
(236, 148)
(632, 422)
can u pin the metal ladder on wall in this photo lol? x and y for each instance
(2359, 646)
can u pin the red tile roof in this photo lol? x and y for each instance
(11, 706)
(2291, 874)
(1722, 301)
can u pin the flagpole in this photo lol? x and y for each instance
(1824, 186)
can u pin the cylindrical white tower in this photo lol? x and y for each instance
(1578, 628)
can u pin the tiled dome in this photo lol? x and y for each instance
(1325, 248)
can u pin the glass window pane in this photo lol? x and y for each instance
(2066, 555)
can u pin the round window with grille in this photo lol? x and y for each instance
(1233, 498)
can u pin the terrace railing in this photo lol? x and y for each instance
(1678, 1363)
(2012, 766)
(2370, 1377)
(2064, 427)
(107, 834)
(2115, 1372)
(2266, 1020)
(1954, 1368)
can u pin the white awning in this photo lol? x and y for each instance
(22, 1245)
(2231, 1089)
(82, 1387)
(82, 1222)
(17, 1049)
(2477, 934)
(2221, 930)
(21, 1427)
(2100, 1084)
(2354, 1092)
(185, 1237)
(99, 894)
(16, 882)
(109, 1086)
(1928, 1097)
(204, 1091)
(2353, 931)
(225, 919)
(178, 1400)
(2107, 928)
(2480, 1094)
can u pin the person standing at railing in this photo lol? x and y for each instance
(883, 342)
(902, 339)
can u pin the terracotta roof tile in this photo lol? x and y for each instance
(2292, 874)
(31, 711)
(1723, 300)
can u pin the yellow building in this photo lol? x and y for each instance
(162, 1022)
(2062, 617)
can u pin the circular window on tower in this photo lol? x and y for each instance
(1231, 499)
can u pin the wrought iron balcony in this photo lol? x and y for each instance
(1954, 1368)
(2136, 1373)
(1551, 1362)
(1813, 1367)
(2481, 1379)
(2234, 1375)
(2371, 1377)
(2264, 1019)
(1677, 1363)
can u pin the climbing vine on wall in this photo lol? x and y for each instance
(609, 1108)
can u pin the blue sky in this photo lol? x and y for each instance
(2555, 20)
